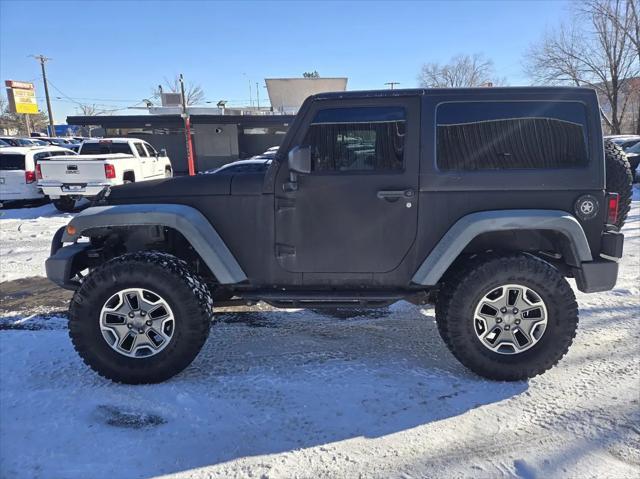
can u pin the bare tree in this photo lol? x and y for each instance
(461, 71)
(88, 110)
(595, 51)
(194, 93)
(15, 123)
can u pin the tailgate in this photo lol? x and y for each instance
(73, 171)
(12, 181)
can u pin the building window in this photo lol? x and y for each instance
(357, 139)
(511, 135)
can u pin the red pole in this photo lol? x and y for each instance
(187, 131)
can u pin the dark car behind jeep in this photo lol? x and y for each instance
(480, 201)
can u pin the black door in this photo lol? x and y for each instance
(356, 212)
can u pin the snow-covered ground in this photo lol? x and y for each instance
(307, 394)
(25, 239)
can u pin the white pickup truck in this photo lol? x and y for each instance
(99, 163)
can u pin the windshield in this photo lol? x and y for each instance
(104, 148)
(634, 149)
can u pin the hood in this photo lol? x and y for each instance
(170, 189)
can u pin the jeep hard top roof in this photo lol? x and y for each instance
(515, 91)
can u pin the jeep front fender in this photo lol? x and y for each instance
(192, 224)
(470, 226)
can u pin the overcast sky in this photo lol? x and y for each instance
(113, 53)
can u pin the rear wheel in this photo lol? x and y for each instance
(140, 318)
(507, 318)
(619, 178)
(167, 172)
(65, 204)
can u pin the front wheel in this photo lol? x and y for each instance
(140, 318)
(507, 318)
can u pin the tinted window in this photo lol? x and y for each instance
(152, 151)
(11, 162)
(506, 135)
(104, 148)
(48, 154)
(141, 151)
(357, 139)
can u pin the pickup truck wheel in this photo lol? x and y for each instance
(167, 172)
(619, 178)
(507, 318)
(65, 204)
(140, 318)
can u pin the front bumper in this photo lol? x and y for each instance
(65, 261)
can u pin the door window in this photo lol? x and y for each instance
(141, 151)
(357, 139)
(152, 151)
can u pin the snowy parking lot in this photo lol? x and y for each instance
(296, 393)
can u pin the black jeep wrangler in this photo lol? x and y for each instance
(480, 201)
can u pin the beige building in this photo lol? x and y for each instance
(287, 94)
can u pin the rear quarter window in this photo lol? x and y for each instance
(473, 136)
(11, 161)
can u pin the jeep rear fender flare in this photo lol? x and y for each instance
(192, 224)
(470, 226)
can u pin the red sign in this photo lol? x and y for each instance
(22, 85)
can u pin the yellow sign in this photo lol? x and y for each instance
(22, 97)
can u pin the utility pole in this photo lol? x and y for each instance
(392, 84)
(187, 129)
(258, 96)
(28, 124)
(42, 59)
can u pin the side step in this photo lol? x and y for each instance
(325, 299)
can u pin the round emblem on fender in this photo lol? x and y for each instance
(587, 207)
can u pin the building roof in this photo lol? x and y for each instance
(136, 121)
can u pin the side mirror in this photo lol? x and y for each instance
(300, 159)
(163, 152)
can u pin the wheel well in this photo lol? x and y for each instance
(129, 176)
(552, 246)
(115, 241)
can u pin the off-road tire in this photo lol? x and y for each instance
(465, 286)
(619, 179)
(187, 295)
(64, 204)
